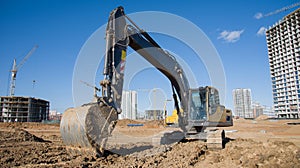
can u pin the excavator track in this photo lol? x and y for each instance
(86, 129)
(215, 139)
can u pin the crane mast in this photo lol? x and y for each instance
(15, 69)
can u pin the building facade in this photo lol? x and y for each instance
(23, 109)
(283, 41)
(242, 103)
(129, 105)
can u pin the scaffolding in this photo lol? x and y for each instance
(23, 109)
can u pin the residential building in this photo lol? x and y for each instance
(129, 105)
(283, 41)
(242, 103)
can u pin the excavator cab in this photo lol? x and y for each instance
(205, 115)
(205, 109)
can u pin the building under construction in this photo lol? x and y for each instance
(23, 109)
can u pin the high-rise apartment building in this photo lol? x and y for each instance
(242, 103)
(283, 41)
(129, 105)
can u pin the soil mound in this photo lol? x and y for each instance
(146, 123)
(125, 122)
(261, 117)
(19, 135)
(238, 153)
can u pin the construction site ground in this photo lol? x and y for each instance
(251, 143)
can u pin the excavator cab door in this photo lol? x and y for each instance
(197, 105)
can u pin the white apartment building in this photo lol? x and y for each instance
(129, 105)
(242, 103)
(283, 41)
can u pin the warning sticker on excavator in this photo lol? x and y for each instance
(123, 57)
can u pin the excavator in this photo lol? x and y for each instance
(87, 128)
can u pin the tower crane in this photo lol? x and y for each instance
(260, 15)
(282, 9)
(96, 89)
(15, 69)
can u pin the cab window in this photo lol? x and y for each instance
(198, 106)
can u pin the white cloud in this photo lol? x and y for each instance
(261, 31)
(230, 36)
(258, 15)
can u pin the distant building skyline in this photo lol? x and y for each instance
(129, 105)
(242, 102)
(54, 115)
(257, 109)
(283, 41)
(154, 114)
(269, 111)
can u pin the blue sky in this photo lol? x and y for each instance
(61, 27)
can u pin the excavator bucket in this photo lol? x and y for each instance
(85, 129)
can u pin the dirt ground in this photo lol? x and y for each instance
(253, 143)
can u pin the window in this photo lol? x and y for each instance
(198, 105)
